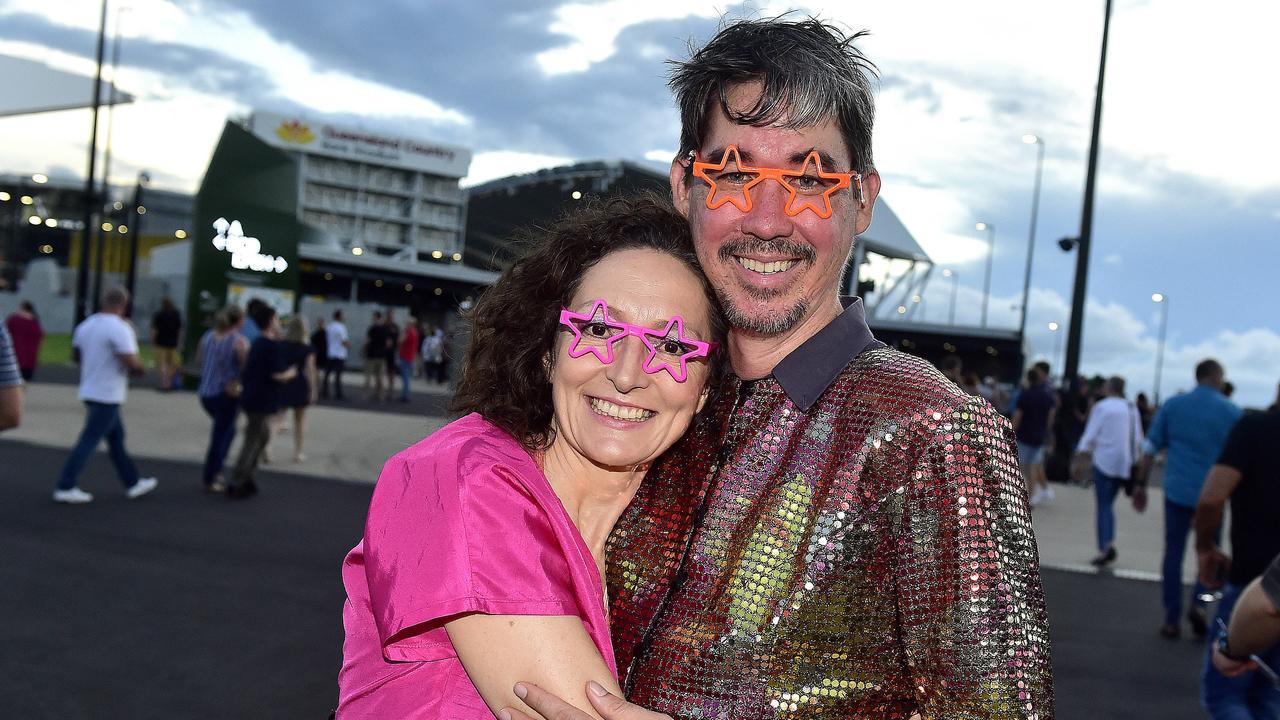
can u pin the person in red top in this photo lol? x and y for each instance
(407, 354)
(24, 327)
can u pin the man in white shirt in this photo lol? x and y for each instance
(1113, 434)
(106, 347)
(339, 342)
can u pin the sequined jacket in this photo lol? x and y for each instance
(868, 555)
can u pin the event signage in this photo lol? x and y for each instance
(246, 252)
(299, 134)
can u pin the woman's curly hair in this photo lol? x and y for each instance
(515, 324)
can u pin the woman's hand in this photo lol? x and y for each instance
(610, 706)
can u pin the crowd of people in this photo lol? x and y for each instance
(1211, 454)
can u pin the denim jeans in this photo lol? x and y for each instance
(1246, 697)
(406, 373)
(257, 433)
(222, 409)
(101, 421)
(333, 368)
(1177, 525)
(1105, 488)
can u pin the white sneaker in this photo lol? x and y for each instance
(1036, 498)
(142, 487)
(73, 496)
(1048, 494)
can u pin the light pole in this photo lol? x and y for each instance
(1057, 342)
(90, 199)
(991, 256)
(955, 286)
(1031, 234)
(1163, 301)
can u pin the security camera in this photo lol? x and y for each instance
(1068, 243)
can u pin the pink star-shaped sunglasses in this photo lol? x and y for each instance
(669, 348)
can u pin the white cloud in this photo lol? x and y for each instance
(486, 166)
(593, 29)
(661, 156)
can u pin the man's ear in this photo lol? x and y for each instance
(870, 190)
(680, 187)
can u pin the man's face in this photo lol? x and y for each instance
(770, 269)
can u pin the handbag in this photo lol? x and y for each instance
(1135, 469)
(233, 388)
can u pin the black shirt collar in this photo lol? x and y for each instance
(810, 369)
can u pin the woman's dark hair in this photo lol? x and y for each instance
(515, 324)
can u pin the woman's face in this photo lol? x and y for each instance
(617, 415)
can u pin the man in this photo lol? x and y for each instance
(264, 370)
(391, 354)
(408, 352)
(166, 327)
(1248, 473)
(11, 392)
(106, 348)
(1111, 442)
(339, 342)
(320, 344)
(845, 533)
(250, 329)
(375, 359)
(1191, 429)
(1032, 419)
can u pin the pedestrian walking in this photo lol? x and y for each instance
(375, 358)
(264, 373)
(320, 345)
(407, 354)
(11, 390)
(166, 330)
(1247, 474)
(1111, 443)
(300, 392)
(106, 348)
(1032, 417)
(1191, 430)
(220, 356)
(433, 354)
(392, 350)
(339, 342)
(27, 334)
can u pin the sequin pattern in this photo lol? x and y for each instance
(872, 557)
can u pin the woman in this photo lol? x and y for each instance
(483, 555)
(221, 354)
(298, 393)
(24, 328)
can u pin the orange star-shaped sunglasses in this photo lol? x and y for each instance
(810, 187)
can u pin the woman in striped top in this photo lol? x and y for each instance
(221, 355)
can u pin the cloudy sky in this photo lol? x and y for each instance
(1189, 192)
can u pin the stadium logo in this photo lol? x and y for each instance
(292, 131)
(246, 252)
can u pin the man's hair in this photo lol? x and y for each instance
(253, 303)
(809, 72)
(516, 322)
(952, 363)
(1228, 388)
(337, 314)
(377, 314)
(1115, 385)
(262, 314)
(1207, 369)
(115, 297)
(1035, 375)
(1043, 367)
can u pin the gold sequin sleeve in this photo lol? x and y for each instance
(970, 601)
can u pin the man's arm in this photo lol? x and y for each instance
(1255, 621)
(969, 594)
(1218, 486)
(11, 390)
(553, 652)
(132, 363)
(1016, 420)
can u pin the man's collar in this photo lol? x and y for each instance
(809, 370)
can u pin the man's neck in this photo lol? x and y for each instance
(754, 356)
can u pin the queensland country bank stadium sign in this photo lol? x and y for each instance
(301, 135)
